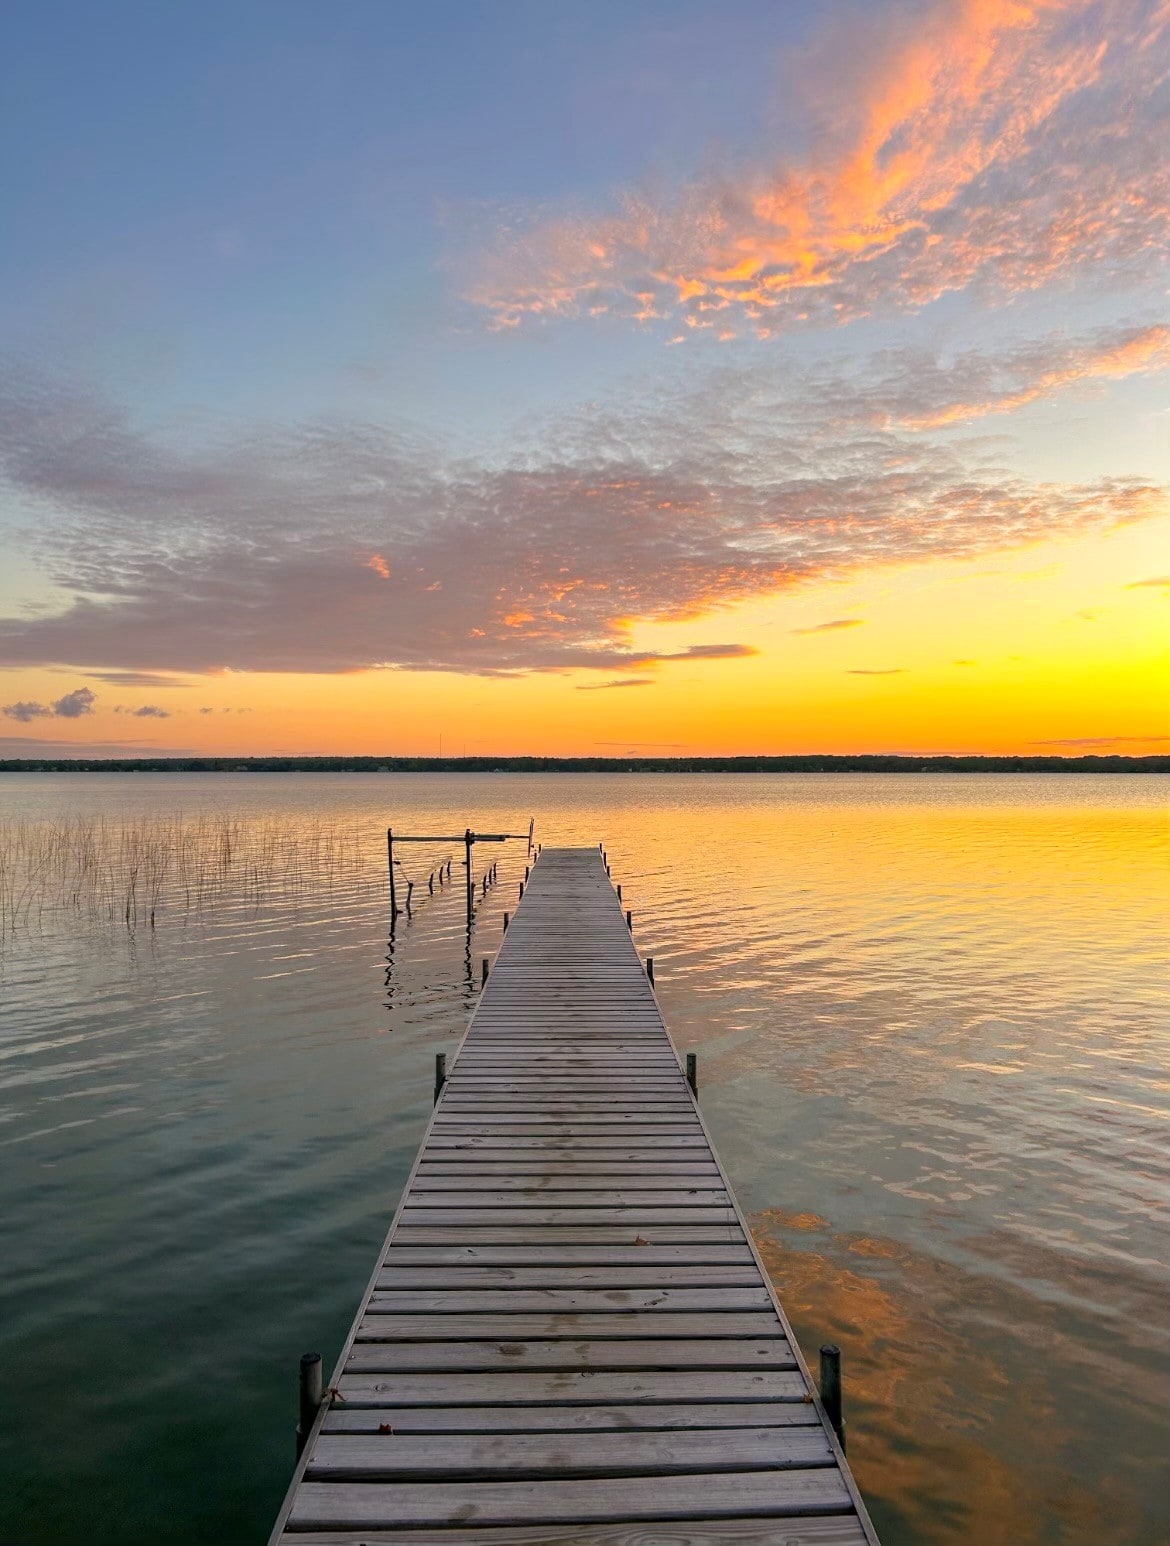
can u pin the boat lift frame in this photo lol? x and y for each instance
(468, 839)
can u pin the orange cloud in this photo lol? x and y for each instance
(994, 141)
(379, 565)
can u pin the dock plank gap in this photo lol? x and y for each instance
(568, 1337)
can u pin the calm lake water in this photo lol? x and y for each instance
(931, 1018)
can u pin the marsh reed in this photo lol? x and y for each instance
(131, 871)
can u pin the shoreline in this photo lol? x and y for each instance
(808, 763)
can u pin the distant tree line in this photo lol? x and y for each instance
(801, 764)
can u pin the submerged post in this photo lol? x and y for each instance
(311, 1395)
(440, 1073)
(693, 1073)
(831, 1389)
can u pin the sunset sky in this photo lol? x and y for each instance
(585, 377)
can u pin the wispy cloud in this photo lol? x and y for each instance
(137, 679)
(915, 390)
(876, 671)
(147, 711)
(1104, 740)
(620, 681)
(998, 144)
(19, 746)
(832, 627)
(1157, 582)
(254, 554)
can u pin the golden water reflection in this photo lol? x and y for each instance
(960, 1428)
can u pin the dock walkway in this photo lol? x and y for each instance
(569, 1338)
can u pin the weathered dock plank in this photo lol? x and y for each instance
(568, 1337)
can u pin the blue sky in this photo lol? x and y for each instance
(239, 202)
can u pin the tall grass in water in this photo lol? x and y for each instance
(130, 871)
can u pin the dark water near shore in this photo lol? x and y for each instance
(931, 1015)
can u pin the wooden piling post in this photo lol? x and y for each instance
(440, 1073)
(390, 863)
(650, 968)
(619, 891)
(520, 898)
(505, 923)
(693, 1073)
(831, 1389)
(311, 1396)
(484, 973)
(468, 839)
(629, 920)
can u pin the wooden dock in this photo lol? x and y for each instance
(568, 1337)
